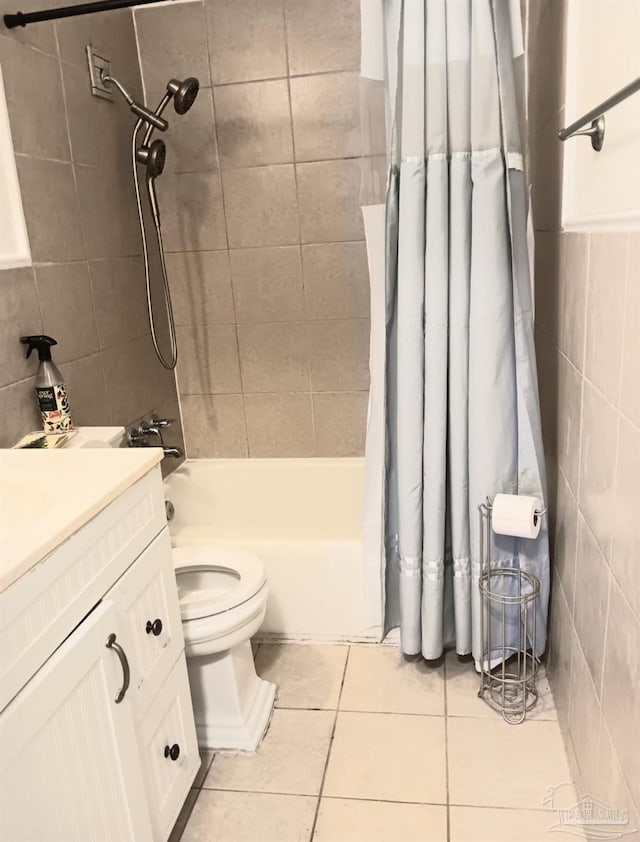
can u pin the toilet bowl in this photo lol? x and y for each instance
(223, 598)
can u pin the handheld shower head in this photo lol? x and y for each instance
(153, 156)
(184, 93)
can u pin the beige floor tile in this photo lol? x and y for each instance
(250, 817)
(342, 820)
(390, 757)
(306, 676)
(291, 759)
(463, 683)
(493, 764)
(380, 679)
(484, 824)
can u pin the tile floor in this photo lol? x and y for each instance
(366, 746)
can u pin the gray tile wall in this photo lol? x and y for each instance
(268, 265)
(86, 286)
(587, 313)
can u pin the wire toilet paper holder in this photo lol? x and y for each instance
(509, 600)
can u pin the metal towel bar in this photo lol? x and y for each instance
(596, 117)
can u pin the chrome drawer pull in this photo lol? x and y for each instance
(173, 752)
(124, 663)
(154, 627)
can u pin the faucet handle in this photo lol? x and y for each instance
(161, 423)
(138, 438)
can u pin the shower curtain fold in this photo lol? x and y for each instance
(455, 380)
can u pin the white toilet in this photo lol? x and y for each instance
(223, 598)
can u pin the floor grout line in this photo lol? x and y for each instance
(333, 731)
(446, 748)
(373, 712)
(378, 800)
(478, 717)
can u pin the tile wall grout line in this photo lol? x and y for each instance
(244, 248)
(50, 160)
(608, 557)
(6, 33)
(600, 687)
(580, 441)
(307, 355)
(333, 731)
(236, 82)
(627, 289)
(270, 164)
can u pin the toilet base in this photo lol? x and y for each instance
(231, 703)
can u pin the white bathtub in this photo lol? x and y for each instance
(303, 518)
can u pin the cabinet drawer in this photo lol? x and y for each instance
(168, 724)
(146, 599)
(43, 607)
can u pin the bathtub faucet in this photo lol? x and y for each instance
(176, 452)
(152, 429)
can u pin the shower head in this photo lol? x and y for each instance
(139, 110)
(183, 93)
(157, 158)
(153, 156)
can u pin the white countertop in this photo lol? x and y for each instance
(47, 495)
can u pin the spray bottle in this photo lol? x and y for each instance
(50, 388)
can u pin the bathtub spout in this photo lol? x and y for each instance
(176, 452)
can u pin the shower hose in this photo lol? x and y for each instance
(171, 362)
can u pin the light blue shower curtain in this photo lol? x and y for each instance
(460, 393)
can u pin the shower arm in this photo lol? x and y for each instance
(153, 120)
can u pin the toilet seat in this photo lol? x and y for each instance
(213, 580)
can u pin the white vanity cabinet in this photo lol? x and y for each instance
(98, 741)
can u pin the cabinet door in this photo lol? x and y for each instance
(146, 597)
(169, 749)
(69, 763)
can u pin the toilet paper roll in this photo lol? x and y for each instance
(515, 514)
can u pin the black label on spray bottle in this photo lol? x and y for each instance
(47, 399)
